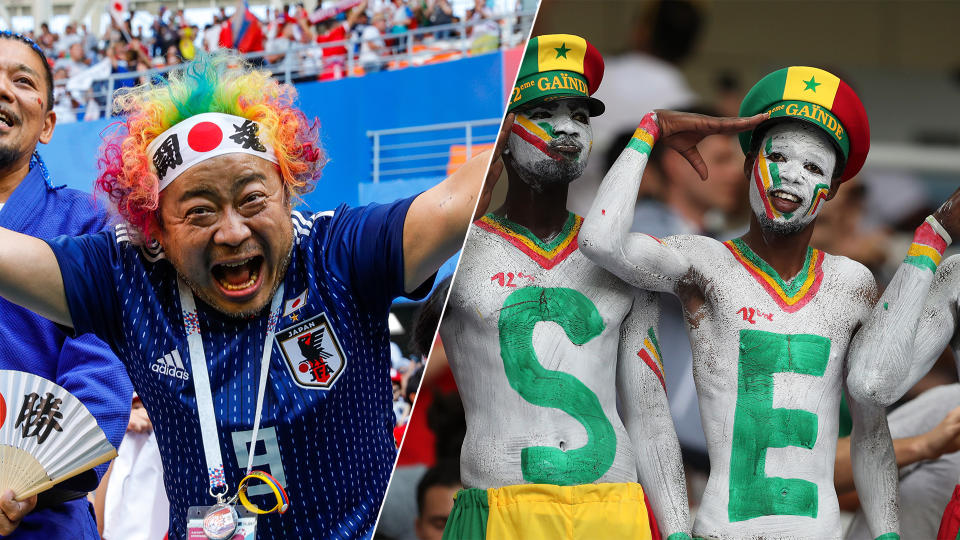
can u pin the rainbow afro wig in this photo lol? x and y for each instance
(220, 82)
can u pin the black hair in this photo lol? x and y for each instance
(7, 34)
(656, 153)
(445, 473)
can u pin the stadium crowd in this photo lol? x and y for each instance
(359, 36)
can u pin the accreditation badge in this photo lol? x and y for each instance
(222, 521)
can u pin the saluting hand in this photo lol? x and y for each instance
(682, 131)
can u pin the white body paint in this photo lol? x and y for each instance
(713, 286)
(912, 323)
(804, 155)
(501, 423)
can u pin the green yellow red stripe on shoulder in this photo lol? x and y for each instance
(790, 297)
(819, 97)
(546, 254)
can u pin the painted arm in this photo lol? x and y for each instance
(646, 415)
(875, 469)
(437, 220)
(605, 238)
(911, 324)
(30, 276)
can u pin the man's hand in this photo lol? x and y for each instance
(496, 167)
(139, 421)
(949, 215)
(12, 512)
(944, 438)
(682, 131)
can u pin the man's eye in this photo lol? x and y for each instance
(582, 118)
(539, 115)
(199, 212)
(776, 157)
(254, 198)
(814, 168)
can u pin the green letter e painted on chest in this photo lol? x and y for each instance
(758, 426)
(581, 321)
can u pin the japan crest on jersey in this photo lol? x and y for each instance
(312, 352)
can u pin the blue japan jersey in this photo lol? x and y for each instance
(326, 427)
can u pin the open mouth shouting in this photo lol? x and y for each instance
(241, 279)
(7, 119)
(784, 201)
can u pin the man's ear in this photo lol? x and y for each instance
(834, 186)
(49, 122)
(155, 227)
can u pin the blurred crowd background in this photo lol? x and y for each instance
(98, 47)
(702, 56)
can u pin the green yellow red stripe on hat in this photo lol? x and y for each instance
(819, 97)
(558, 66)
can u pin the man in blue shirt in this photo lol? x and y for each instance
(204, 173)
(85, 366)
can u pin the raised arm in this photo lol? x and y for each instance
(912, 323)
(30, 276)
(646, 415)
(875, 469)
(605, 238)
(437, 220)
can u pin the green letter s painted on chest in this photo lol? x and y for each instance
(758, 426)
(581, 321)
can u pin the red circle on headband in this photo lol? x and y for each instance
(204, 137)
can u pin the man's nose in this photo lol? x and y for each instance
(790, 172)
(6, 89)
(233, 229)
(566, 126)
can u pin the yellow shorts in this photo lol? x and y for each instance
(547, 512)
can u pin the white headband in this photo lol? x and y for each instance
(202, 137)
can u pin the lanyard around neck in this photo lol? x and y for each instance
(201, 384)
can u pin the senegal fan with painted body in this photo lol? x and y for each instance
(917, 317)
(770, 318)
(543, 342)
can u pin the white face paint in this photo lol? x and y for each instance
(791, 176)
(550, 143)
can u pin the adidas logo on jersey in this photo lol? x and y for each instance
(170, 364)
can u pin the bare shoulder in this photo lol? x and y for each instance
(695, 247)
(851, 277)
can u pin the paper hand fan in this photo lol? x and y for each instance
(46, 435)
